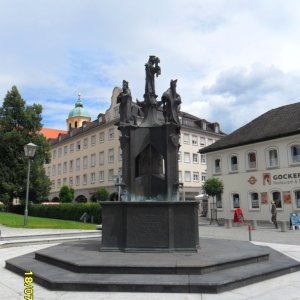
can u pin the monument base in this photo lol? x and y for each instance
(150, 226)
(220, 265)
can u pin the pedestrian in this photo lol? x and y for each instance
(274, 214)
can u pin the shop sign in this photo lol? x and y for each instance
(285, 178)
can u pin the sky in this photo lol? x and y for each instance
(234, 59)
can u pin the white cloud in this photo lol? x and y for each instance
(240, 95)
(223, 53)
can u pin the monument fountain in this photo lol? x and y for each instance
(152, 218)
(150, 240)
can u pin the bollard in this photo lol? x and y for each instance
(283, 226)
(228, 223)
(249, 231)
(254, 224)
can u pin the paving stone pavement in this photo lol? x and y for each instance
(285, 287)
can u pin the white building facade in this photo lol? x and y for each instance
(258, 163)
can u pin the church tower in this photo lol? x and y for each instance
(77, 115)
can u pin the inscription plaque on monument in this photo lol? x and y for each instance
(148, 227)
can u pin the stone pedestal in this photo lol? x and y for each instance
(150, 226)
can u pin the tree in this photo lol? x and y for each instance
(66, 194)
(213, 187)
(20, 125)
(101, 195)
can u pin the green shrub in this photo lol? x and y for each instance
(67, 211)
(100, 195)
(66, 194)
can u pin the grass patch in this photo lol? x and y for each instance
(15, 220)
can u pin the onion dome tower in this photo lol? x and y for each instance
(77, 115)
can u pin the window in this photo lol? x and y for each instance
(217, 165)
(58, 183)
(219, 201)
(180, 176)
(77, 180)
(235, 200)
(295, 154)
(297, 198)
(93, 160)
(93, 177)
(78, 146)
(111, 134)
(85, 143)
(203, 159)
(58, 169)
(54, 154)
(196, 176)
(71, 164)
(272, 158)
(195, 158)
(203, 176)
(53, 170)
(71, 181)
(77, 164)
(194, 140)
(85, 162)
(84, 179)
(101, 137)
(93, 140)
(101, 158)
(187, 158)
(53, 184)
(186, 138)
(65, 181)
(233, 163)
(116, 112)
(59, 152)
(110, 174)
(72, 148)
(202, 142)
(101, 176)
(65, 167)
(251, 157)
(187, 176)
(254, 200)
(110, 156)
(179, 156)
(65, 150)
(276, 197)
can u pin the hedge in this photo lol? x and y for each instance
(67, 211)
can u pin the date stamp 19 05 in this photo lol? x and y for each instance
(28, 285)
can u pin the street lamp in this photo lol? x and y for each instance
(29, 150)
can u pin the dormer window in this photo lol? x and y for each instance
(203, 124)
(217, 128)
